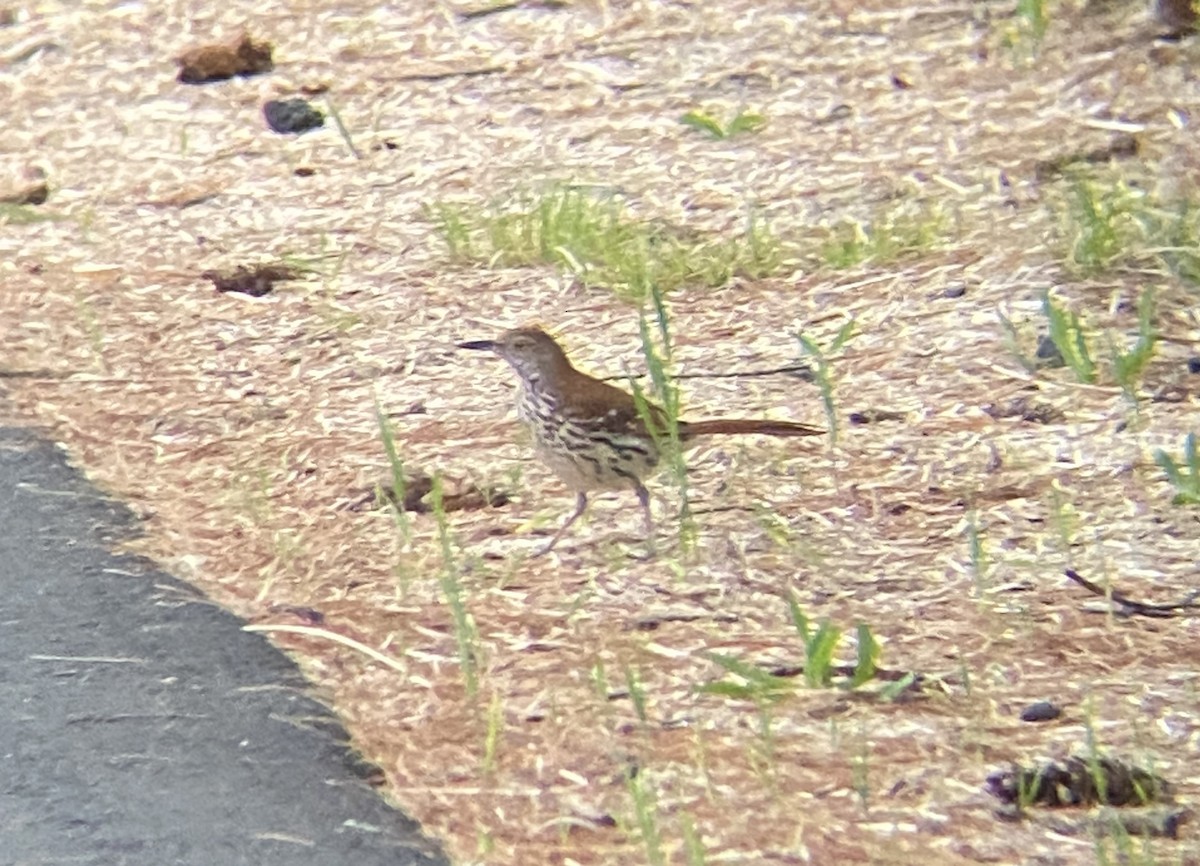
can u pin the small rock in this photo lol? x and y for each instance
(1178, 16)
(1194, 364)
(218, 62)
(1041, 711)
(874, 416)
(256, 281)
(292, 115)
(1048, 354)
(27, 187)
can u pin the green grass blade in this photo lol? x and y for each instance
(818, 659)
(1066, 331)
(746, 121)
(750, 673)
(726, 689)
(1169, 467)
(799, 620)
(845, 332)
(868, 656)
(704, 123)
(896, 688)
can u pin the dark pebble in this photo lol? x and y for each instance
(1041, 711)
(292, 115)
(1047, 352)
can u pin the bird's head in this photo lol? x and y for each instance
(531, 351)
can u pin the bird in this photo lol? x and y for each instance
(591, 434)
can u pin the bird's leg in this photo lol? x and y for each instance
(581, 504)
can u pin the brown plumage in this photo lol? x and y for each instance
(590, 432)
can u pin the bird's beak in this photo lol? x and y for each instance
(480, 345)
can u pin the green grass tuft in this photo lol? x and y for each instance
(1109, 224)
(750, 682)
(645, 807)
(656, 348)
(465, 633)
(907, 228)
(593, 236)
(1177, 232)
(637, 694)
(742, 122)
(1066, 332)
(819, 646)
(1129, 366)
(823, 370)
(1184, 476)
(1102, 227)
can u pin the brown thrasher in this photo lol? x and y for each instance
(590, 433)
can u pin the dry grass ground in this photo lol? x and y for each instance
(243, 430)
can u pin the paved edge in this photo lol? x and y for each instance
(141, 724)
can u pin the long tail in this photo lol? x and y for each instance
(747, 427)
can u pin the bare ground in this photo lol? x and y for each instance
(243, 430)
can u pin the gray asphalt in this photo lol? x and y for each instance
(139, 725)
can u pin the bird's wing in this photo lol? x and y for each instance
(608, 408)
